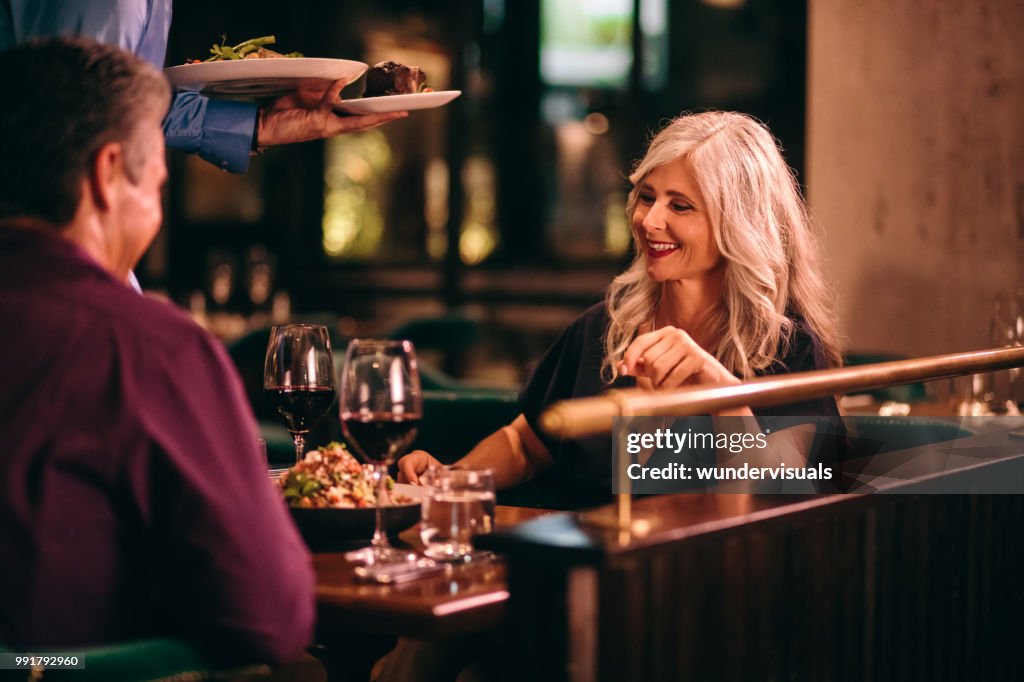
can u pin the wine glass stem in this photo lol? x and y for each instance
(380, 538)
(300, 446)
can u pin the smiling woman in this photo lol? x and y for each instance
(726, 187)
(670, 220)
(725, 285)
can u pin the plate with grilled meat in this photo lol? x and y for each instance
(388, 103)
(391, 86)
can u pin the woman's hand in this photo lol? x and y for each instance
(413, 465)
(670, 358)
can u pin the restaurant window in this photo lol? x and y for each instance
(385, 190)
(356, 179)
(586, 67)
(478, 235)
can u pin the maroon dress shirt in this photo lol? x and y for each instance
(133, 499)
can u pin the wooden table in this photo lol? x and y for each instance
(463, 600)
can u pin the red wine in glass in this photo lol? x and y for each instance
(380, 404)
(298, 377)
(300, 407)
(378, 436)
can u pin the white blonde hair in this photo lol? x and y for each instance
(760, 225)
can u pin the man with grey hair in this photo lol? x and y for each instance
(133, 499)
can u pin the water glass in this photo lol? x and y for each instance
(460, 505)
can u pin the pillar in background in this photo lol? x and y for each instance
(915, 165)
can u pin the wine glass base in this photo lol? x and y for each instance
(474, 556)
(389, 574)
(373, 555)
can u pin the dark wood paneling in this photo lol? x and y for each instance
(916, 587)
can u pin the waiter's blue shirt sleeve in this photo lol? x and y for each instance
(220, 132)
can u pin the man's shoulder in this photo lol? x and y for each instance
(156, 322)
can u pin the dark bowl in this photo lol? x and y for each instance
(335, 529)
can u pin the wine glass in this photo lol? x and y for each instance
(298, 377)
(381, 406)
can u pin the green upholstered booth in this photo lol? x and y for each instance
(455, 421)
(876, 435)
(907, 393)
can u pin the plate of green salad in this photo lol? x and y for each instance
(251, 70)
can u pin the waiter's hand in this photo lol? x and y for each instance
(308, 114)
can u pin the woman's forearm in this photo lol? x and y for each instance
(513, 453)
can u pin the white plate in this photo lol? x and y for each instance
(388, 103)
(250, 78)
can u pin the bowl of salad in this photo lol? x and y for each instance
(332, 498)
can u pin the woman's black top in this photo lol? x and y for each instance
(571, 368)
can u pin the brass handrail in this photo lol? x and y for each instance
(592, 416)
